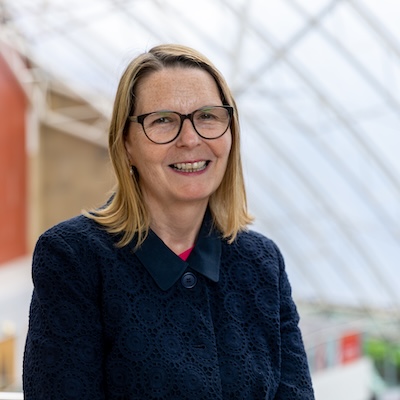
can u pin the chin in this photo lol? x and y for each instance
(196, 197)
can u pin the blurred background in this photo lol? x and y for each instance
(317, 84)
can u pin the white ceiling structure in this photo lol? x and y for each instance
(317, 83)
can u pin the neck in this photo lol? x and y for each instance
(178, 227)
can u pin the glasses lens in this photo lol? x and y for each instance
(211, 122)
(161, 127)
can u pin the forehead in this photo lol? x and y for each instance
(170, 88)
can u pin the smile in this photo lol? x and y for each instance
(190, 167)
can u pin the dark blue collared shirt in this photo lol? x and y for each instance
(166, 268)
(111, 323)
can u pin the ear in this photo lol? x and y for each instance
(128, 154)
(130, 162)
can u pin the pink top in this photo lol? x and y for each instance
(186, 254)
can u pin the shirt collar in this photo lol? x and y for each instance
(166, 267)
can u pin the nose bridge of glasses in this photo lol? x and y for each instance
(190, 118)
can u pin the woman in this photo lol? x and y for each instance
(163, 293)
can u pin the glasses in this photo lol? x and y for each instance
(163, 127)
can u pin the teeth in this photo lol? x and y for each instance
(190, 167)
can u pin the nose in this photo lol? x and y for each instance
(188, 136)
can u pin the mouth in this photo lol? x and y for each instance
(190, 166)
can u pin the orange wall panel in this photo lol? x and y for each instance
(12, 166)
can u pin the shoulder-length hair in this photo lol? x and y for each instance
(126, 213)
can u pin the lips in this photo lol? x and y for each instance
(190, 166)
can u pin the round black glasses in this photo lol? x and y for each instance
(163, 127)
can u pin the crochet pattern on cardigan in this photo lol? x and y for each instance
(109, 323)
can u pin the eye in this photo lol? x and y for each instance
(211, 115)
(206, 115)
(160, 118)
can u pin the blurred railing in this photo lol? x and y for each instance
(7, 363)
(11, 396)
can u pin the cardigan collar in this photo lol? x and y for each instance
(166, 267)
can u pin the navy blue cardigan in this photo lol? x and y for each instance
(111, 323)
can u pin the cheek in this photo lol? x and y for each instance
(144, 157)
(226, 152)
(227, 146)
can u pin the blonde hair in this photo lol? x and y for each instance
(126, 213)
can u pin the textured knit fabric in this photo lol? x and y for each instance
(109, 323)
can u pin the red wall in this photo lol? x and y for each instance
(12, 166)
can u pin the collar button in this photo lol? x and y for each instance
(188, 280)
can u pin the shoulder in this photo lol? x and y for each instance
(73, 250)
(254, 251)
(74, 226)
(255, 243)
(79, 233)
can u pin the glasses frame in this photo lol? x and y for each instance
(140, 120)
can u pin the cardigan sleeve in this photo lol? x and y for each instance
(63, 350)
(295, 381)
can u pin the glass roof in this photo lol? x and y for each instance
(317, 83)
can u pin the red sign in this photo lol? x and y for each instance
(350, 347)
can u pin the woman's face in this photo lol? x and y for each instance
(189, 169)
